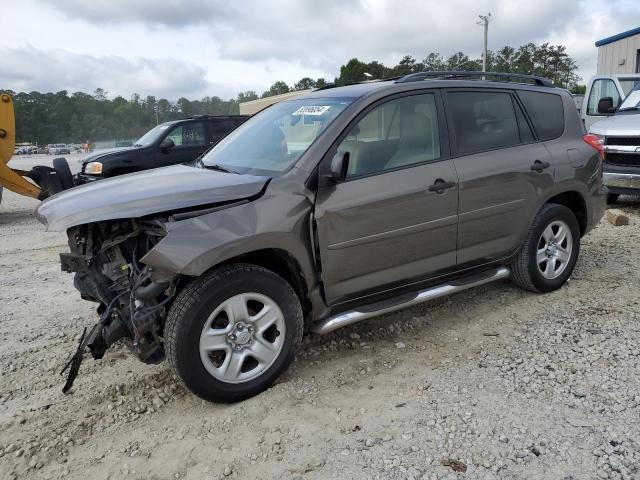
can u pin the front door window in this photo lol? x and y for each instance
(396, 134)
(602, 88)
(188, 135)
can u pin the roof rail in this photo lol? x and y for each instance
(504, 76)
(336, 85)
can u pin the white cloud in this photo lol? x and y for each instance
(220, 47)
(28, 68)
(170, 13)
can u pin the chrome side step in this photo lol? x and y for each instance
(374, 310)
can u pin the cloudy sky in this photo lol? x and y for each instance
(196, 48)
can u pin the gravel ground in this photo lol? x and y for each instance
(494, 383)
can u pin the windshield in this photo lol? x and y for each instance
(632, 102)
(627, 84)
(152, 135)
(273, 140)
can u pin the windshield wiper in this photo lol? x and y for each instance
(217, 167)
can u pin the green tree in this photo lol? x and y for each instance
(304, 83)
(433, 62)
(354, 71)
(461, 62)
(277, 88)
(77, 117)
(247, 96)
(407, 65)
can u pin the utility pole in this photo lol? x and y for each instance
(484, 22)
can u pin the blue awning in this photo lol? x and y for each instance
(619, 36)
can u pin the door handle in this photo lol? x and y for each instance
(439, 186)
(539, 166)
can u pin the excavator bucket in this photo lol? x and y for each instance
(8, 178)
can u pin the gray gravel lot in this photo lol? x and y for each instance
(496, 382)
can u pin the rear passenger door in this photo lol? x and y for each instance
(387, 224)
(494, 152)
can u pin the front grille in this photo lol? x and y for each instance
(623, 141)
(622, 158)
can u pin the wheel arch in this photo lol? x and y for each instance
(575, 202)
(282, 263)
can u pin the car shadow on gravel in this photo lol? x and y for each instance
(16, 217)
(628, 203)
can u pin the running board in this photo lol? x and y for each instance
(404, 301)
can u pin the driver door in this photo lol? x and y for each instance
(387, 223)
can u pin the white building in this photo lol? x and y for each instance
(619, 53)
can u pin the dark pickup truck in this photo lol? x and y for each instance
(169, 143)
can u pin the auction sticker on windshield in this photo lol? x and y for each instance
(312, 110)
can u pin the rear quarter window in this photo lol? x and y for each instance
(546, 113)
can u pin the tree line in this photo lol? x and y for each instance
(78, 117)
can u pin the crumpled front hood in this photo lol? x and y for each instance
(622, 124)
(144, 193)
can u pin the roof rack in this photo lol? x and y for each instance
(504, 76)
(336, 85)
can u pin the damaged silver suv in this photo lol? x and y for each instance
(328, 209)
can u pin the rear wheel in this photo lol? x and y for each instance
(231, 333)
(61, 166)
(549, 254)
(612, 198)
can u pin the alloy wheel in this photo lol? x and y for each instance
(242, 337)
(554, 249)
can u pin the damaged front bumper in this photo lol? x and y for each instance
(133, 298)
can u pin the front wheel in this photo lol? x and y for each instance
(549, 253)
(230, 334)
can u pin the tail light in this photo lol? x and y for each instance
(596, 143)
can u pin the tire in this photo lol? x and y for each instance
(612, 198)
(526, 270)
(193, 320)
(61, 166)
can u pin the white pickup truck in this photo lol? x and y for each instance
(616, 87)
(615, 102)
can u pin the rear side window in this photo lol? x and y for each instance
(546, 113)
(219, 128)
(483, 120)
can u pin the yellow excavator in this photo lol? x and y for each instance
(40, 182)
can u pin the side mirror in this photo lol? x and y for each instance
(339, 166)
(605, 106)
(167, 144)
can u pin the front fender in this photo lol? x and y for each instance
(193, 246)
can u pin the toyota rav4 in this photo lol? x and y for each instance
(326, 210)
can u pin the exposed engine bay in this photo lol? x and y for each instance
(133, 298)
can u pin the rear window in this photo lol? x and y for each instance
(546, 113)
